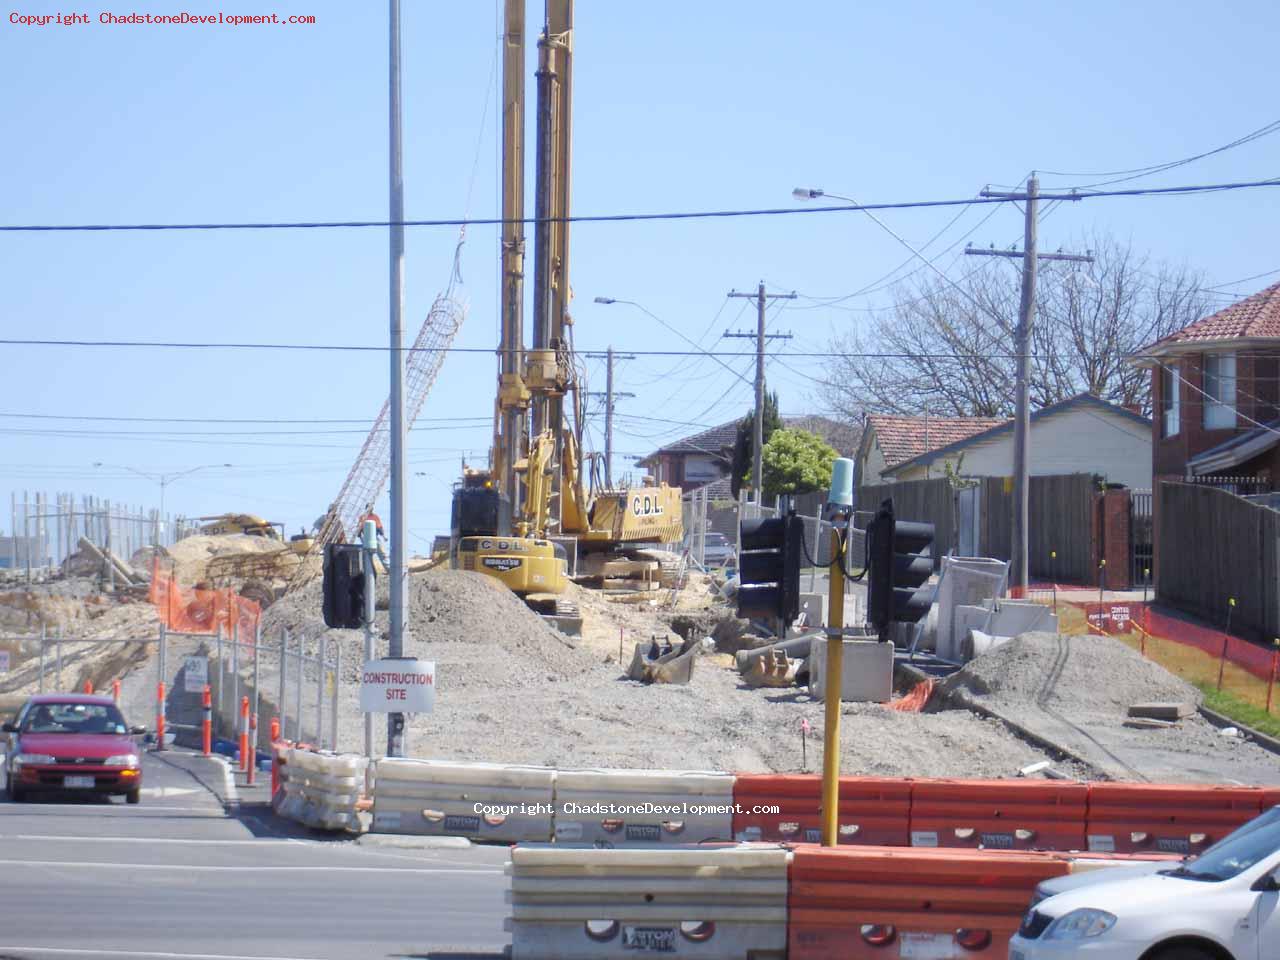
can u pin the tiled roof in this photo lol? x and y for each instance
(1255, 316)
(905, 438)
(719, 441)
(715, 441)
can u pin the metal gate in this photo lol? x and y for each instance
(1140, 538)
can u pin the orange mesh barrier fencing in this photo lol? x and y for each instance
(191, 610)
(915, 700)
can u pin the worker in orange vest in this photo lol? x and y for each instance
(381, 534)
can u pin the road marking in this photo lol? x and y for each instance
(206, 868)
(98, 951)
(167, 791)
(34, 836)
(209, 810)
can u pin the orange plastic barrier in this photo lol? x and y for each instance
(873, 810)
(1165, 817)
(879, 903)
(999, 814)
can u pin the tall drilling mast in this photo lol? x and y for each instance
(550, 362)
(511, 427)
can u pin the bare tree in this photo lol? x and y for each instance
(946, 348)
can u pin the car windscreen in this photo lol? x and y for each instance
(1236, 852)
(74, 718)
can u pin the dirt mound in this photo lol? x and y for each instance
(1087, 675)
(190, 557)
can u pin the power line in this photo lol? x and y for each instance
(274, 421)
(1153, 169)
(1078, 193)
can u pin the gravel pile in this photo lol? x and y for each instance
(1090, 676)
(513, 690)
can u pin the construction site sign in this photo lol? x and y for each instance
(195, 674)
(398, 686)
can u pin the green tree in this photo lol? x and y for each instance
(796, 461)
(740, 475)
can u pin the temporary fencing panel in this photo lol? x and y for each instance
(614, 808)
(999, 814)
(322, 790)
(483, 801)
(873, 810)
(1166, 818)
(879, 903)
(713, 902)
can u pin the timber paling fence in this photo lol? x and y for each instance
(1218, 557)
(975, 518)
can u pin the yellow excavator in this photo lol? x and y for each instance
(513, 521)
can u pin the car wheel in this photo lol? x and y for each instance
(1183, 951)
(16, 793)
(134, 795)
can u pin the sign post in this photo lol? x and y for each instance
(398, 685)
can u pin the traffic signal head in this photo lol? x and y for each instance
(900, 563)
(344, 586)
(769, 567)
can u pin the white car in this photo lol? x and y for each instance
(1221, 905)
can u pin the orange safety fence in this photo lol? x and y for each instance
(191, 610)
(915, 699)
(1165, 817)
(1199, 654)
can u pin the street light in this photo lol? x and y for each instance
(164, 479)
(649, 313)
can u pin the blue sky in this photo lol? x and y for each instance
(716, 104)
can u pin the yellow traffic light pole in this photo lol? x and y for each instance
(833, 690)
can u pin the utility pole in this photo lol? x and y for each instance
(757, 444)
(1022, 360)
(399, 528)
(609, 396)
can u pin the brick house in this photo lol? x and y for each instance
(1215, 388)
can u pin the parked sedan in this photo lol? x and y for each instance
(74, 743)
(1221, 905)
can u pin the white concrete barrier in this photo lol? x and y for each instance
(322, 790)
(614, 808)
(483, 801)
(713, 902)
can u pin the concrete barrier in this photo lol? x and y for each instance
(483, 801)
(714, 902)
(322, 790)
(613, 808)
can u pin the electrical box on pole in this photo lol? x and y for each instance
(769, 567)
(899, 564)
(344, 586)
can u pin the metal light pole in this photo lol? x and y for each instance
(399, 528)
(164, 479)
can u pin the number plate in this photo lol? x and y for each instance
(78, 783)
(649, 939)
(928, 946)
(455, 824)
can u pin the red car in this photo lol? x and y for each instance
(74, 743)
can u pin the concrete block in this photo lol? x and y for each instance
(867, 671)
(1161, 711)
(966, 581)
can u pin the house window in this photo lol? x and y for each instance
(1220, 391)
(1169, 401)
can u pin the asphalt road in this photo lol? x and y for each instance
(176, 878)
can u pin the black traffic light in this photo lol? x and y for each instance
(899, 563)
(769, 567)
(343, 586)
